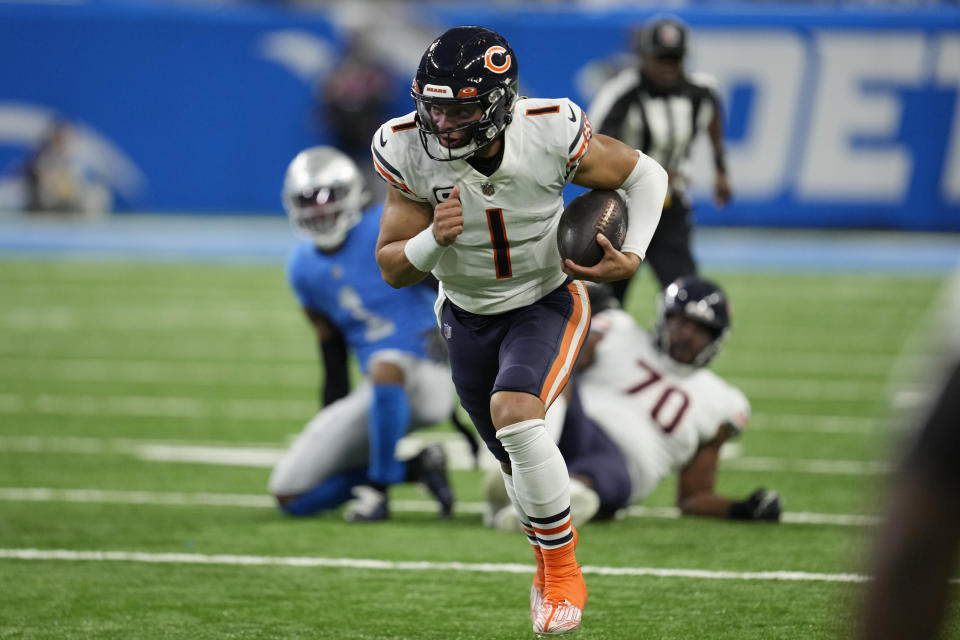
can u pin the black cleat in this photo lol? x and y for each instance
(430, 468)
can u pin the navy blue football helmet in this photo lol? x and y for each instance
(469, 67)
(700, 300)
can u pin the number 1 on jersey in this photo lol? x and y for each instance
(501, 247)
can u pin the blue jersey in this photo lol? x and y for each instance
(346, 287)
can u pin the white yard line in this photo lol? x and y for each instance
(825, 424)
(94, 445)
(757, 388)
(791, 362)
(817, 467)
(389, 565)
(156, 406)
(136, 497)
(205, 373)
(148, 319)
(808, 388)
(240, 409)
(799, 517)
(742, 364)
(99, 496)
(458, 454)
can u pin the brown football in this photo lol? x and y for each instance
(597, 211)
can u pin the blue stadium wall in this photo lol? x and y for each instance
(835, 117)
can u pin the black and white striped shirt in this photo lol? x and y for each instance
(662, 125)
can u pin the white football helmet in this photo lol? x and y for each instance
(324, 195)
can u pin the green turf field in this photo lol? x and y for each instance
(110, 371)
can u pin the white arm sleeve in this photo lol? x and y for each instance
(646, 188)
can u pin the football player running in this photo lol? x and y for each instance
(644, 405)
(478, 174)
(349, 447)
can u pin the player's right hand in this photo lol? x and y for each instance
(721, 191)
(614, 265)
(448, 219)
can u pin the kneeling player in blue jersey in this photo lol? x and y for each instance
(348, 448)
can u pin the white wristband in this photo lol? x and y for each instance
(423, 251)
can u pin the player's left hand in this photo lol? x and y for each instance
(614, 265)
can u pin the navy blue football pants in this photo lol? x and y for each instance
(532, 349)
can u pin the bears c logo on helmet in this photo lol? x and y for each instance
(490, 64)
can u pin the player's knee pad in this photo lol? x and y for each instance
(518, 377)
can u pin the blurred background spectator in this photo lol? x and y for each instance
(353, 100)
(57, 180)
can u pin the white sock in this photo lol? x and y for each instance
(540, 480)
(524, 520)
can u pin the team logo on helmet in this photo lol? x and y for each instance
(437, 90)
(489, 63)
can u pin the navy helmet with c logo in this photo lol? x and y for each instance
(466, 66)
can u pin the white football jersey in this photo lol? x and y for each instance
(659, 412)
(507, 255)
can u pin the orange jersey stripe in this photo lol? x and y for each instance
(388, 177)
(573, 337)
(543, 110)
(587, 134)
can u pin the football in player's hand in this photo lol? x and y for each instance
(596, 211)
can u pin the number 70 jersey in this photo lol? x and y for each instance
(659, 412)
(507, 255)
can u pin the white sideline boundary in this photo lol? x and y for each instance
(388, 565)
(300, 410)
(40, 494)
(458, 454)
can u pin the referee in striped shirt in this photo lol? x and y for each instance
(659, 109)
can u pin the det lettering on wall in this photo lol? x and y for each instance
(838, 117)
(833, 118)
